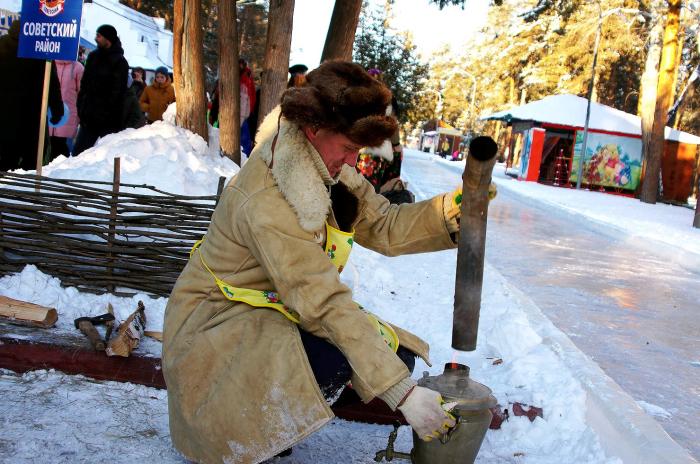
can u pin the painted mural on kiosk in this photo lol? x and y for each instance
(525, 153)
(610, 161)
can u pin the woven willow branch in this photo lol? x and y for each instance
(98, 237)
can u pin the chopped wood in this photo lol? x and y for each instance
(153, 334)
(129, 333)
(25, 313)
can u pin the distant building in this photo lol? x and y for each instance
(6, 18)
(145, 40)
(546, 145)
(437, 135)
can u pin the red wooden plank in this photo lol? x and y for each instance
(350, 407)
(25, 349)
(22, 355)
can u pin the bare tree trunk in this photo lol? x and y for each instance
(229, 83)
(341, 31)
(279, 44)
(647, 91)
(188, 67)
(651, 168)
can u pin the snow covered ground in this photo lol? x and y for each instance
(48, 416)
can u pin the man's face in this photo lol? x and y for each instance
(160, 78)
(335, 149)
(101, 41)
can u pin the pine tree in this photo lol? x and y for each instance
(378, 46)
(651, 166)
(277, 49)
(188, 67)
(229, 83)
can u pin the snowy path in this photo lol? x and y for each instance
(631, 309)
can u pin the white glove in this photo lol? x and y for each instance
(425, 411)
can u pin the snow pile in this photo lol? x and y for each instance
(39, 288)
(161, 154)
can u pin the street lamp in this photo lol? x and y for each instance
(601, 15)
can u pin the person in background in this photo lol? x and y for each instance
(213, 113)
(260, 334)
(22, 83)
(248, 100)
(133, 116)
(297, 75)
(157, 96)
(102, 90)
(382, 165)
(82, 55)
(69, 74)
(445, 148)
(253, 118)
(298, 80)
(137, 81)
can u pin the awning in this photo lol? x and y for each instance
(570, 110)
(450, 131)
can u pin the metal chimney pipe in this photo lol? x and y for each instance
(472, 242)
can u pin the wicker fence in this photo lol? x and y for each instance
(98, 236)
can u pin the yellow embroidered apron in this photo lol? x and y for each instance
(338, 247)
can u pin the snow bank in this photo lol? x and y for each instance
(163, 155)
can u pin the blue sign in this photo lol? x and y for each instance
(50, 29)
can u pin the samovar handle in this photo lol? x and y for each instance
(389, 452)
(445, 437)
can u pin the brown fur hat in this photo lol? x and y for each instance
(342, 97)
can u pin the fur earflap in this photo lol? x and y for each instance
(342, 97)
(383, 151)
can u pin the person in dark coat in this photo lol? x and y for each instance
(297, 75)
(102, 90)
(133, 117)
(138, 85)
(22, 81)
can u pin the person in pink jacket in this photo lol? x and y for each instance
(69, 74)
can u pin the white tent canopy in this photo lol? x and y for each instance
(570, 110)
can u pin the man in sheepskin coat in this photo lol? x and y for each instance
(259, 331)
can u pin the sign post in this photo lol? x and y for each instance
(42, 118)
(50, 31)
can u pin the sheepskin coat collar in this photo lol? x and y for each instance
(299, 171)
